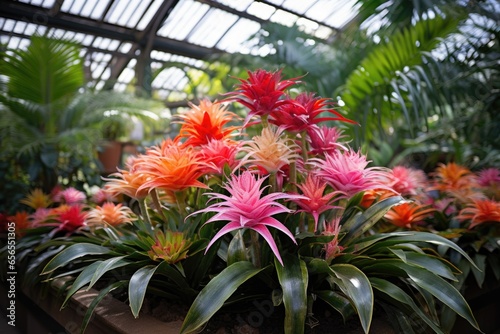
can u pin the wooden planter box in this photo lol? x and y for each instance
(110, 316)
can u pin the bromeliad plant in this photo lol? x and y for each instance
(459, 204)
(285, 216)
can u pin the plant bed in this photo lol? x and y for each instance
(159, 316)
(110, 316)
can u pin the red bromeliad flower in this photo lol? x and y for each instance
(206, 122)
(303, 112)
(69, 218)
(315, 202)
(347, 172)
(246, 208)
(408, 213)
(481, 211)
(262, 93)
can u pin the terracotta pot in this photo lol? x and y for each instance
(110, 156)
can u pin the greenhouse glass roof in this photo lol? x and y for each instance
(114, 33)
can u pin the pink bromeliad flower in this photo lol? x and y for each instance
(489, 177)
(347, 172)
(71, 196)
(324, 140)
(217, 154)
(408, 181)
(315, 202)
(247, 208)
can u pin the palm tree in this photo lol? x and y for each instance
(50, 125)
(422, 86)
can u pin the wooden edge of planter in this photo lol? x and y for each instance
(110, 315)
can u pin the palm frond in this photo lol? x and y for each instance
(388, 74)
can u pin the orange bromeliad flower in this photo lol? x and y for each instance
(177, 168)
(452, 177)
(408, 213)
(22, 221)
(206, 122)
(37, 199)
(370, 196)
(109, 214)
(127, 183)
(481, 211)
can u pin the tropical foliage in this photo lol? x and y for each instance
(213, 218)
(405, 71)
(50, 126)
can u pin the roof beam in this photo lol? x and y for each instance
(28, 13)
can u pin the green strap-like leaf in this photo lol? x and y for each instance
(107, 265)
(236, 250)
(440, 289)
(338, 302)
(137, 287)
(82, 280)
(358, 288)
(396, 293)
(103, 293)
(215, 293)
(431, 263)
(293, 278)
(73, 252)
(359, 224)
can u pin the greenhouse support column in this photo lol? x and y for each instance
(143, 74)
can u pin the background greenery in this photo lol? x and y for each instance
(424, 84)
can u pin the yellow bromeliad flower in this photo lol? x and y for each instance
(270, 150)
(170, 246)
(37, 199)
